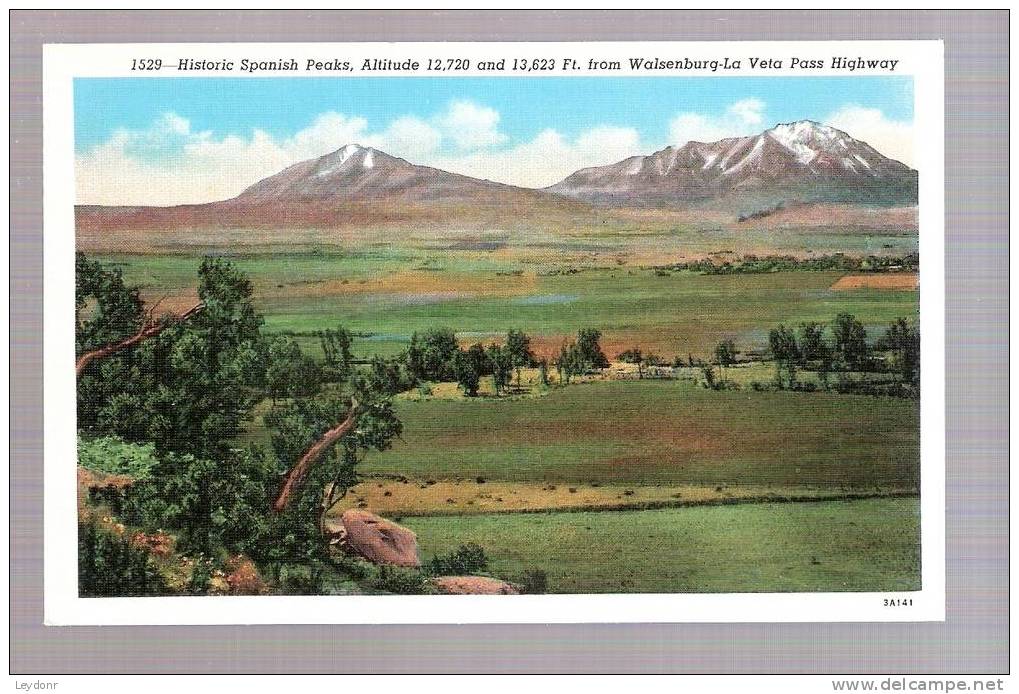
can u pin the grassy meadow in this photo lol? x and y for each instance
(863, 545)
(661, 432)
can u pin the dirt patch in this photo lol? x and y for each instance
(903, 281)
(414, 497)
(612, 343)
(473, 585)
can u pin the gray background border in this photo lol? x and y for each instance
(973, 640)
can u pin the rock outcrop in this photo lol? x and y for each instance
(474, 585)
(374, 538)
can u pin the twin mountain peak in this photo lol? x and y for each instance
(804, 161)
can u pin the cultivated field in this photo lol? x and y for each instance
(662, 432)
(385, 294)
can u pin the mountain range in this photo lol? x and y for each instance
(796, 162)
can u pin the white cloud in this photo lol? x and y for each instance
(548, 158)
(890, 137)
(748, 111)
(471, 126)
(327, 133)
(408, 137)
(740, 118)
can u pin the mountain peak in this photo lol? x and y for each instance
(806, 139)
(355, 173)
(803, 160)
(802, 127)
(355, 154)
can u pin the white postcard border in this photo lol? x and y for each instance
(922, 60)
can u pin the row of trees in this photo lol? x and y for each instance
(641, 359)
(848, 349)
(432, 355)
(435, 355)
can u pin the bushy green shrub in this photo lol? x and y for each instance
(534, 582)
(110, 496)
(390, 579)
(208, 504)
(201, 577)
(300, 579)
(464, 560)
(112, 455)
(396, 579)
(354, 567)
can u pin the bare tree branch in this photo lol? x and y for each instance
(300, 471)
(149, 328)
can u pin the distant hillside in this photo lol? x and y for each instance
(351, 186)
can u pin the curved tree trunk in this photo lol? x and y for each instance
(300, 471)
(148, 329)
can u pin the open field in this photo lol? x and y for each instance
(638, 233)
(388, 293)
(662, 432)
(657, 434)
(867, 545)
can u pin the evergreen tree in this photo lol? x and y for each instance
(187, 388)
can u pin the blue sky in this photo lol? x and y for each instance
(283, 106)
(474, 125)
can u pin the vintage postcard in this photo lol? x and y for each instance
(494, 332)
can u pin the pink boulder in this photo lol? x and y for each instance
(378, 540)
(474, 585)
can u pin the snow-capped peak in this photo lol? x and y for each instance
(334, 162)
(806, 139)
(802, 130)
(348, 152)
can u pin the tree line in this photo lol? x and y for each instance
(847, 350)
(435, 355)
